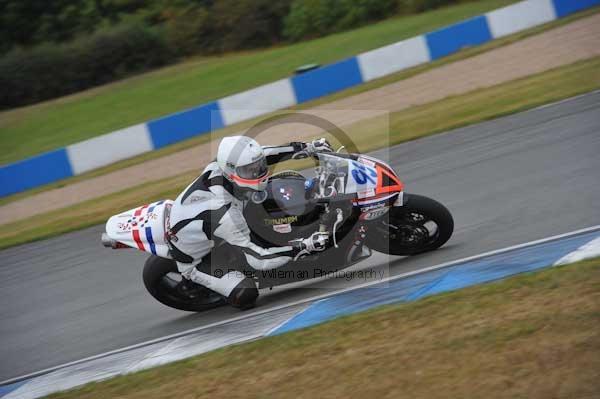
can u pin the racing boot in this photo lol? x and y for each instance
(240, 291)
(191, 290)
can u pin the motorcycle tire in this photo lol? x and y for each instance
(165, 289)
(416, 209)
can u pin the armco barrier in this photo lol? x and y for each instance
(125, 143)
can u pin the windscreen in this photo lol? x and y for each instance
(333, 164)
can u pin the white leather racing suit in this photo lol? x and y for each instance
(208, 210)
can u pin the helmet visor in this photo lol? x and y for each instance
(255, 170)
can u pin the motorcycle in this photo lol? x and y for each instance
(359, 200)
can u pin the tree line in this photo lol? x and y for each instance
(53, 48)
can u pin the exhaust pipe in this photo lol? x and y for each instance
(110, 243)
(107, 241)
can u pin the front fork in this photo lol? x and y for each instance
(358, 250)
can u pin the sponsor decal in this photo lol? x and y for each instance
(366, 194)
(282, 220)
(169, 235)
(372, 207)
(286, 193)
(124, 226)
(373, 200)
(366, 161)
(373, 211)
(400, 200)
(138, 220)
(374, 214)
(194, 198)
(283, 228)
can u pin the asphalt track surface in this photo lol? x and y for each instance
(507, 181)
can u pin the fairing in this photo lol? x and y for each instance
(142, 228)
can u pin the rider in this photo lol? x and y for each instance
(210, 210)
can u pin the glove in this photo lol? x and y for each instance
(316, 146)
(317, 242)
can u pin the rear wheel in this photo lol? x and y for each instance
(164, 283)
(420, 225)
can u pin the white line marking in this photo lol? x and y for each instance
(586, 251)
(301, 301)
(565, 100)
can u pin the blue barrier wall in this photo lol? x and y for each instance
(455, 37)
(78, 158)
(36, 171)
(567, 7)
(327, 80)
(186, 124)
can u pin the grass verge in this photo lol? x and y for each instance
(466, 53)
(415, 122)
(532, 336)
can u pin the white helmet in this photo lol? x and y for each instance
(243, 162)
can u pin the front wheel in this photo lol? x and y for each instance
(163, 282)
(420, 225)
